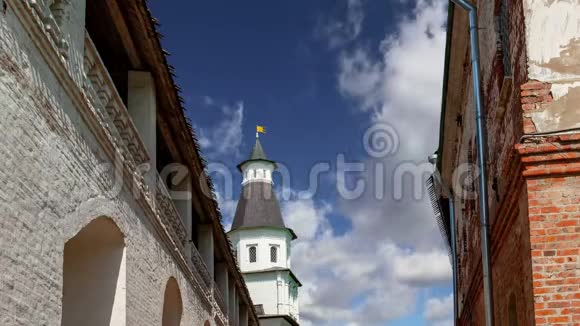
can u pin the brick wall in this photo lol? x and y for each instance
(550, 155)
(534, 190)
(552, 169)
(535, 97)
(508, 202)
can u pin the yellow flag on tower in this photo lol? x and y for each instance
(261, 129)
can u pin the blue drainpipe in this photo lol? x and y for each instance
(481, 160)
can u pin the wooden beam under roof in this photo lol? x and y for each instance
(121, 26)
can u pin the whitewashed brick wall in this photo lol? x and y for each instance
(49, 190)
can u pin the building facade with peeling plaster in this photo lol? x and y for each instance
(530, 79)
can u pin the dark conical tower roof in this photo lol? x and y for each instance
(258, 152)
(258, 205)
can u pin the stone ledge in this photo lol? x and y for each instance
(551, 155)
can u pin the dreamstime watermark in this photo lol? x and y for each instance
(382, 173)
(376, 176)
(381, 140)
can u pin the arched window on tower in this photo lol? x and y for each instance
(252, 251)
(274, 254)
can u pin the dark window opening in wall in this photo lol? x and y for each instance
(503, 35)
(464, 243)
(163, 157)
(470, 319)
(512, 311)
(253, 254)
(194, 230)
(101, 30)
(273, 254)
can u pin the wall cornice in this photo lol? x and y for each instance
(550, 156)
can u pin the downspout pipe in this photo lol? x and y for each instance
(482, 159)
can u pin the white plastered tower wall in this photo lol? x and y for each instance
(263, 243)
(270, 283)
(258, 172)
(263, 239)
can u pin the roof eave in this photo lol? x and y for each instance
(292, 233)
(450, 12)
(289, 319)
(239, 166)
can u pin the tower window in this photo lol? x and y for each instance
(274, 254)
(253, 254)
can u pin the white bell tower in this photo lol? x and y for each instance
(263, 244)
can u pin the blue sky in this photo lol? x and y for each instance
(320, 75)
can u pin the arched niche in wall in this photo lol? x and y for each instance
(94, 279)
(172, 304)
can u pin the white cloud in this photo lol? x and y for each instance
(305, 218)
(225, 137)
(227, 209)
(342, 26)
(375, 271)
(423, 268)
(208, 100)
(448, 322)
(439, 311)
(402, 87)
(349, 278)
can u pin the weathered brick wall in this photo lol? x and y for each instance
(554, 224)
(550, 154)
(512, 273)
(511, 270)
(51, 189)
(552, 169)
(534, 190)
